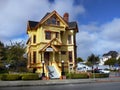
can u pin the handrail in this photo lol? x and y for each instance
(57, 68)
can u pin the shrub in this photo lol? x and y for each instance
(30, 76)
(77, 75)
(99, 75)
(0, 76)
(10, 77)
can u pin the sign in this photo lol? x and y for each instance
(49, 49)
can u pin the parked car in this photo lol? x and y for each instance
(104, 71)
(96, 71)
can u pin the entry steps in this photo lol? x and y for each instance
(53, 74)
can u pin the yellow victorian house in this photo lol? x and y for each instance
(51, 46)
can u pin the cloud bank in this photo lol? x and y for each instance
(98, 39)
(15, 14)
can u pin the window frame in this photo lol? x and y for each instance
(69, 39)
(34, 56)
(70, 56)
(47, 35)
(34, 38)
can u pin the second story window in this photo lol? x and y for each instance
(57, 35)
(34, 38)
(69, 39)
(47, 35)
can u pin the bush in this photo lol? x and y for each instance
(0, 76)
(77, 76)
(10, 77)
(30, 76)
(99, 75)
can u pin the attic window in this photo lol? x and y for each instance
(53, 21)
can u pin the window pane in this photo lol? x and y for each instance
(57, 35)
(70, 56)
(48, 35)
(34, 39)
(34, 57)
(69, 39)
(63, 52)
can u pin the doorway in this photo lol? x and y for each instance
(47, 58)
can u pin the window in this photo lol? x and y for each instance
(34, 38)
(63, 52)
(53, 21)
(69, 39)
(48, 35)
(30, 58)
(34, 57)
(70, 56)
(58, 22)
(71, 65)
(57, 35)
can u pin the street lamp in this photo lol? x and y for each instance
(43, 73)
(62, 63)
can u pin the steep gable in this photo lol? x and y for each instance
(48, 16)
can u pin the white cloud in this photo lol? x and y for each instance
(99, 39)
(111, 30)
(15, 14)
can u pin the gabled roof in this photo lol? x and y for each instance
(48, 15)
(73, 25)
(50, 45)
(34, 25)
(45, 15)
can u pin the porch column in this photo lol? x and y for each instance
(53, 56)
(42, 56)
(59, 58)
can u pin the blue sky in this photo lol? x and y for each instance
(98, 21)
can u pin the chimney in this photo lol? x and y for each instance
(66, 17)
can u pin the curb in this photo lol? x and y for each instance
(43, 82)
(56, 82)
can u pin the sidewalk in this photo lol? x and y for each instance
(56, 82)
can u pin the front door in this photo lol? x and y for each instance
(47, 57)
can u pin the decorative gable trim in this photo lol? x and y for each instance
(48, 16)
(51, 45)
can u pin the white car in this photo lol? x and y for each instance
(104, 71)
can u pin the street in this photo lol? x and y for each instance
(89, 86)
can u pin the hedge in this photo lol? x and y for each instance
(30, 76)
(13, 77)
(10, 77)
(99, 75)
(77, 76)
(85, 75)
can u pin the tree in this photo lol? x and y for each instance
(79, 59)
(2, 57)
(2, 51)
(14, 56)
(113, 54)
(93, 59)
(118, 61)
(111, 62)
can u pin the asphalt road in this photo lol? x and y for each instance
(89, 86)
